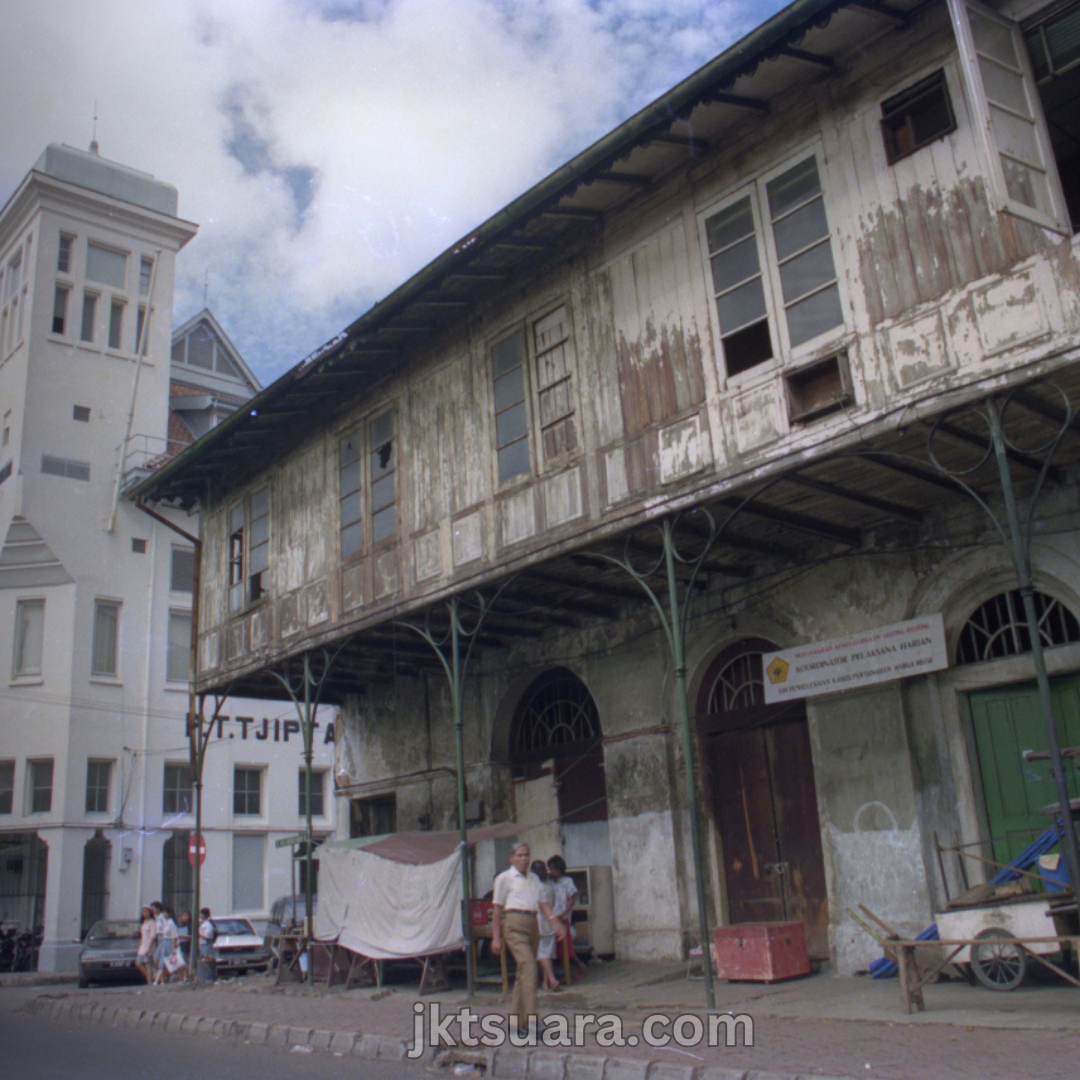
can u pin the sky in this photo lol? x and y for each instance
(329, 149)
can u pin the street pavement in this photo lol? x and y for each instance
(820, 1026)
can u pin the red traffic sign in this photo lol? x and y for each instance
(196, 850)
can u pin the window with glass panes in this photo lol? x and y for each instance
(249, 549)
(510, 388)
(178, 659)
(381, 469)
(318, 782)
(104, 655)
(40, 785)
(97, 786)
(176, 792)
(247, 791)
(7, 786)
(29, 637)
(773, 274)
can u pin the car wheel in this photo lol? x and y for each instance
(84, 983)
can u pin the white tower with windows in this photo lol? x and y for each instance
(95, 596)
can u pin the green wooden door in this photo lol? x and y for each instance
(1008, 722)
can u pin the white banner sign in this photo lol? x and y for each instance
(872, 656)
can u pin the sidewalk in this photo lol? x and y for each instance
(821, 1026)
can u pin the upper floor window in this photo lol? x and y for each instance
(105, 650)
(105, 266)
(382, 465)
(7, 786)
(178, 657)
(29, 637)
(182, 571)
(247, 791)
(1008, 116)
(60, 307)
(318, 785)
(375, 444)
(39, 786)
(146, 272)
(63, 254)
(249, 549)
(176, 792)
(97, 786)
(511, 407)
(917, 116)
(773, 274)
(549, 343)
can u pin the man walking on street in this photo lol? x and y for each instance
(517, 901)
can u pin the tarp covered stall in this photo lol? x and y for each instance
(398, 896)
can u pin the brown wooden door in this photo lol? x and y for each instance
(761, 786)
(766, 811)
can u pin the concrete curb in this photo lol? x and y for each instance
(507, 1063)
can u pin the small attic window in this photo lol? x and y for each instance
(916, 117)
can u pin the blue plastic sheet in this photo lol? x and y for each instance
(883, 968)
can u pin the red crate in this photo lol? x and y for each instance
(481, 913)
(761, 952)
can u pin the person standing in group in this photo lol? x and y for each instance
(207, 934)
(184, 938)
(515, 923)
(545, 952)
(169, 936)
(144, 958)
(565, 898)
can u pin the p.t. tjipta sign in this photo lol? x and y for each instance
(871, 656)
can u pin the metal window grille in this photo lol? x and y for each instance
(998, 628)
(558, 711)
(739, 685)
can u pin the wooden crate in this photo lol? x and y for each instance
(761, 952)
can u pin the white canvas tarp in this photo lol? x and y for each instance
(386, 909)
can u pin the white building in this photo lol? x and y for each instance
(96, 807)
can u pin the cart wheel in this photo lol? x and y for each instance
(998, 966)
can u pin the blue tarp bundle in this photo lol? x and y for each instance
(886, 969)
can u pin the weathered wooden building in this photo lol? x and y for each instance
(779, 300)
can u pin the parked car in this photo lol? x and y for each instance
(237, 947)
(287, 913)
(108, 952)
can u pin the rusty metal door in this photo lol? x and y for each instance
(761, 787)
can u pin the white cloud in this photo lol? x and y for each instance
(330, 148)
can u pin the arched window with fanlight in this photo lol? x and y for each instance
(557, 721)
(998, 628)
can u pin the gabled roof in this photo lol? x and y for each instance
(207, 316)
(803, 42)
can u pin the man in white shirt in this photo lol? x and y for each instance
(514, 922)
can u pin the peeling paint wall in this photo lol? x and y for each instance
(940, 291)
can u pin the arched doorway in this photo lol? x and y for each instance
(177, 874)
(95, 898)
(760, 789)
(24, 867)
(557, 764)
(1007, 720)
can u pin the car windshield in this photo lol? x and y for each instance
(113, 930)
(233, 926)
